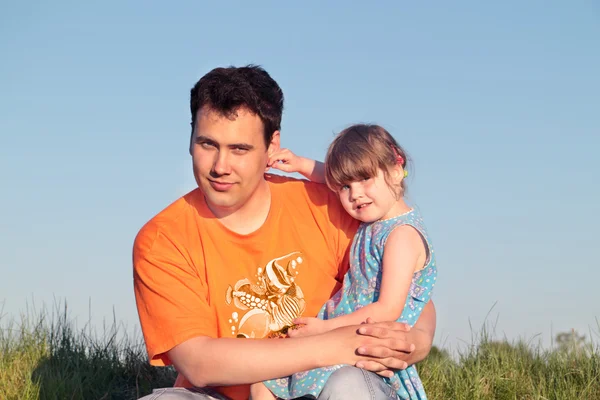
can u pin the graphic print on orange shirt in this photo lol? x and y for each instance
(271, 303)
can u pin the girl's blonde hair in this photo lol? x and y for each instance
(358, 152)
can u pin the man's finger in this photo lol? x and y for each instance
(382, 330)
(386, 373)
(389, 348)
(375, 367)
(385, 324)
(380, 365)
(370, 330)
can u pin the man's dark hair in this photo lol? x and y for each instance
(226, 90)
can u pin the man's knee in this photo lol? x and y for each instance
(355, 383)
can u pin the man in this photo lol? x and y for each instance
(241, 256)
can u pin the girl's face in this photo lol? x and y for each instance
(371, 199)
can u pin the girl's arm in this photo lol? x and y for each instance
(404, 253)
(287, 161)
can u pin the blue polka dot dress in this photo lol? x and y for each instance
(361, 287)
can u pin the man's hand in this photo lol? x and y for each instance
(389, 353)
(397, 342)
(308, 326)
(380, 348)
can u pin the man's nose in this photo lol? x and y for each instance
(221, 165)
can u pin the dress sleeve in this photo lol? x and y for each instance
(171, 294)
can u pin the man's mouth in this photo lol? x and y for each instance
(220, 186)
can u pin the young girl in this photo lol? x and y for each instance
(392, 265)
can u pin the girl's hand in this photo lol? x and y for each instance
(285, 160)
(308, 326)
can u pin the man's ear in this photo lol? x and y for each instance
(191, 138)
(275, 144)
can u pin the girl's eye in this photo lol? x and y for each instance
(345, 187)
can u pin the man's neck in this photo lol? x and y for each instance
(250, 216)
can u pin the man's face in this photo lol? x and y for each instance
(230, 157)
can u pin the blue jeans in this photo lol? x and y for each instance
(355, 383)
(184, 394)
(345, 383)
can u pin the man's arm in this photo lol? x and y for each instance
(422, 334)
(220, 362)
(179, 326)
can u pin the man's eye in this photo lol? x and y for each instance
(240, 150)
(207, 145)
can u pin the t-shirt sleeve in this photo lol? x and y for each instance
(171, 294)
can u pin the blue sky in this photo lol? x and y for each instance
(497, 103)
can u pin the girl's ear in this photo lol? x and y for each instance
(397, 173)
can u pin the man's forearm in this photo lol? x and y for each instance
(422, 344)
(221, 362)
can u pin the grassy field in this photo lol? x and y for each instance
(45, 357)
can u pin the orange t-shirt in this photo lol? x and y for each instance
(194, 277)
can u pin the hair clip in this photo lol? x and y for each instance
(399, 158)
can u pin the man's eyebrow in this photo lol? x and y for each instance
(204, 139)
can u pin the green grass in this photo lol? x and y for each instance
(43, 356)
(501, 370)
